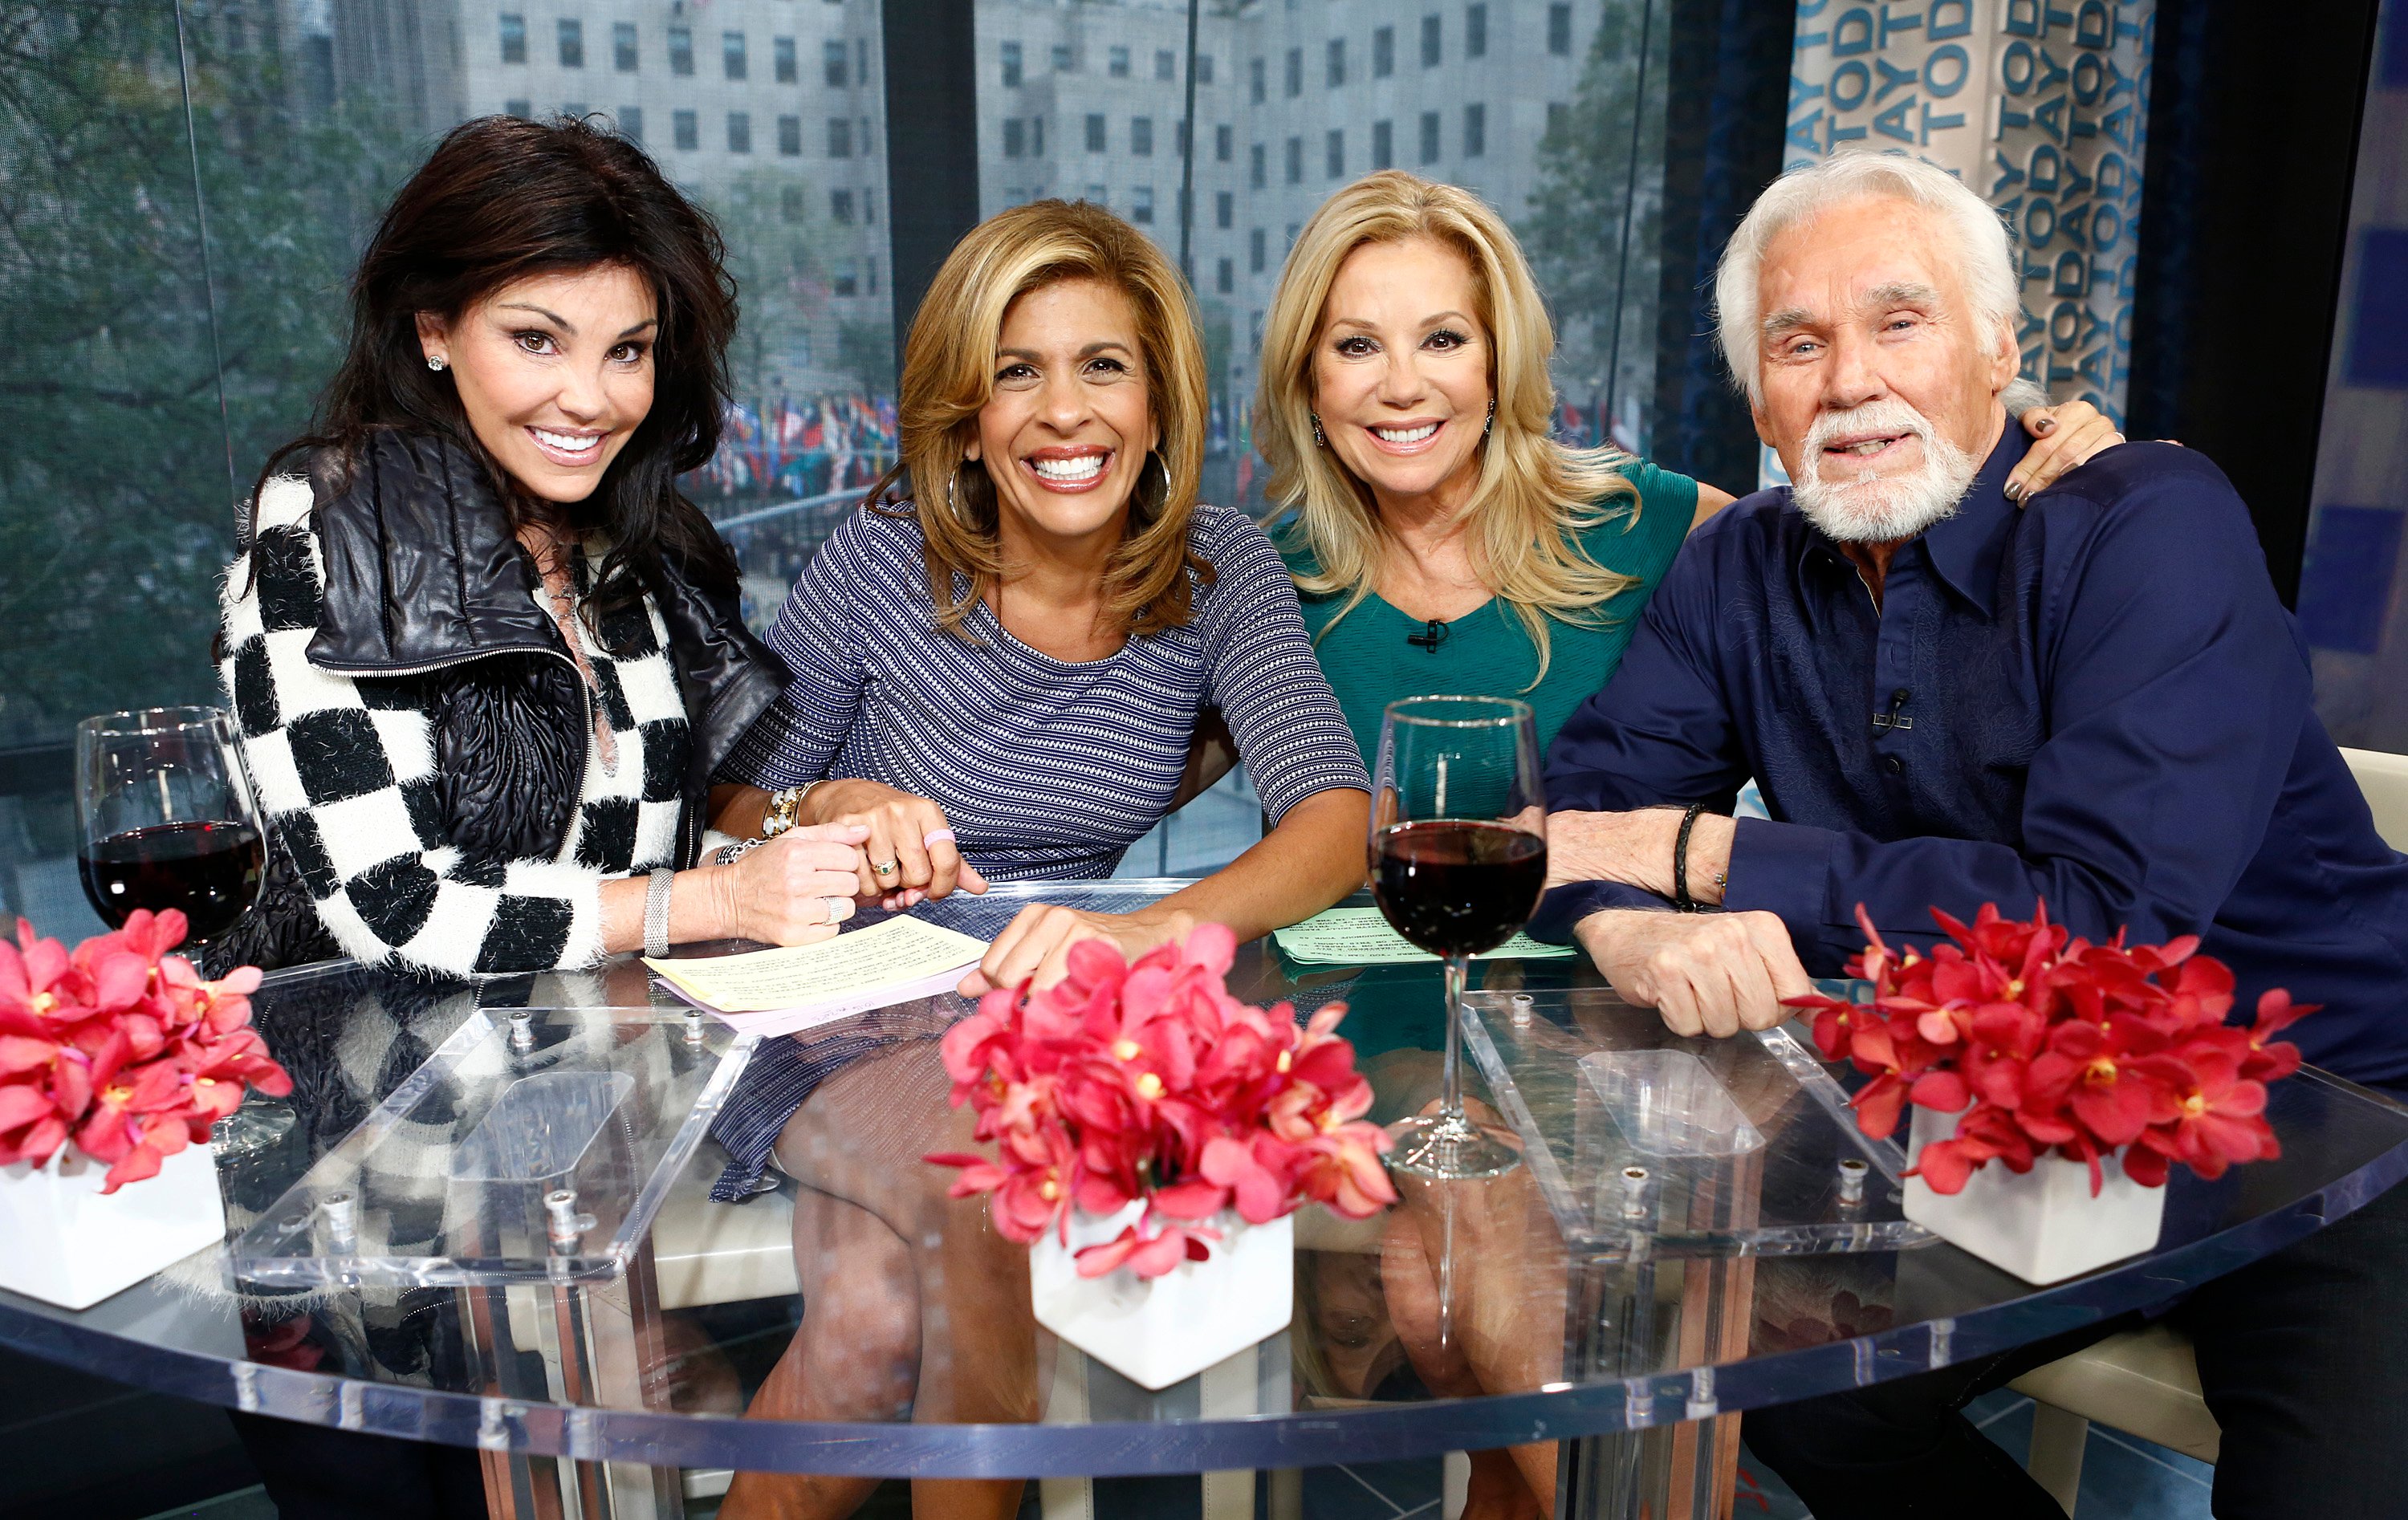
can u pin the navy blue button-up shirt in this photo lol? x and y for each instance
(2097, 701)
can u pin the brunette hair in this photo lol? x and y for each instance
(949, 376)
(1535, 498)
(501, 200)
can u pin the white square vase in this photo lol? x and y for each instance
(62, 1242)
(1159, 1330)
(2044, 1226)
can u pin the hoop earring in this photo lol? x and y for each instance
(953, 506)
(1163, 465)
(1320, 439)
(435, 362)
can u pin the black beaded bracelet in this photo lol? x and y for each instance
(1680, 898)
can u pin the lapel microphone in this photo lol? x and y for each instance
(1430, 637)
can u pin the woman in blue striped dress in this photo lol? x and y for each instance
(1002, 678)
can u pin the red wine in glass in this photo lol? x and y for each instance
(1458, 859)
(1458, 887)
(208, 871)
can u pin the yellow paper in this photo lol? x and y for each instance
(1361, 937)
(895, 954)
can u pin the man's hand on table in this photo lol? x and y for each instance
(1704, 973)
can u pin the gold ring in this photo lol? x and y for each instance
(885, 870)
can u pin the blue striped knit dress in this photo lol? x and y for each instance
(1046, 770)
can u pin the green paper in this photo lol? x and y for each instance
(1360, 936)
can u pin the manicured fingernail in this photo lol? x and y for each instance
(2043, 424)
(2015, 490)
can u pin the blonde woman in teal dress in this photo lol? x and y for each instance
(1442, 542)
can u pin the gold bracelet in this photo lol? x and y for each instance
(786, 810)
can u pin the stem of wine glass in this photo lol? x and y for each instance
(1451, 1096)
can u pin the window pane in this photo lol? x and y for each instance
(623, 47)
(782, 50)
(513, 38)
(731, 53)
(682, 50)
(572, 43)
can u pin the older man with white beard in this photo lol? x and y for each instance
(2097, 700)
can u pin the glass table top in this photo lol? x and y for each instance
(442, 1305)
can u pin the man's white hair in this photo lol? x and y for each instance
(1986, 260)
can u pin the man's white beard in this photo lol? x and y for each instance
(1879, 509)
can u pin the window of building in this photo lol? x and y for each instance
(1255, 92)
(1166, 63)
(1179, 137)
(782, 63)
(1225, 208)
(685, 127)
(1476, 130)
(840, 206)
(1063, 61)
(1116, 63)
(1255, 250)
(789, 136)
(840, 135)
(1141, 136)
(790, 203)
(572, 42)
(1333, 154)
(1559, 30)
(1429, 136)
(1037, 135)
(681, 50)
(731, 53)
(1257, 174)
(1097, 194)
(1141, 206)
(832, 67)
(631, 124)
(1334, 65)
(1012, 66)
(1383, 145)
(1225, 143)
(861, 61)
(1475, 31)
(1431, 53)
(1296, 161)
(1559, 119)
(523, 110)
(1203, 68)
(1095, 132)
(869, 208)
(1015, 136)
(872, 266)
(740, 131)
(1295, 71)
(1384, 53)
(1225, 275)
(623, 47)
(847, 281)
(513, 38)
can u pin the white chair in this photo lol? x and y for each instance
(2145, 1383)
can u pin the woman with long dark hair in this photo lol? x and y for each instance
(484, 658)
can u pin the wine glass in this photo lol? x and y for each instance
(169, 821)
(1458, 859)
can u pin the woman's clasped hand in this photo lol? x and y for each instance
(910, 854)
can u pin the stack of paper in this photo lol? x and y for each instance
(776, 991)
(1361, 937)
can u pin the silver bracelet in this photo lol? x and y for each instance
(728, 854)
(656, 912)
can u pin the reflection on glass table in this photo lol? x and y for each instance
(1556, 1302)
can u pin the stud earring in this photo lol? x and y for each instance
(1320, 439)
(435, 362)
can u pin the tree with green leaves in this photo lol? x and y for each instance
(1593, 223)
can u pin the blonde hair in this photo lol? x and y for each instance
(1534, 498)
(949, 376)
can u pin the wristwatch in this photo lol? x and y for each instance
(786, 810)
